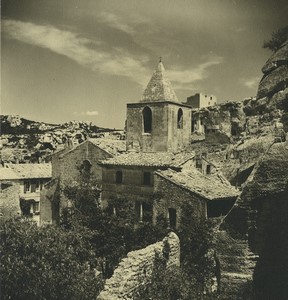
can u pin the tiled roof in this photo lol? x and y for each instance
(25, 171)
(155, 159)
(159, 87)
(111, 146)
(207, 186)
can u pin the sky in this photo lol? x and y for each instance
(64, 60)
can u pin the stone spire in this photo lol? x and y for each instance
(159, 87)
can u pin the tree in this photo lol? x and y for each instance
(278, 38)
(46, 263)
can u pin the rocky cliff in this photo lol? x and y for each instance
(252, 242)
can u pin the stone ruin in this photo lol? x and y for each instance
(135, 271)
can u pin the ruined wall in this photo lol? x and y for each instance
(9, 199)
(136, 270)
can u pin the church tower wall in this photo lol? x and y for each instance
(170, 131)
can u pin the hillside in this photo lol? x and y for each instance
(24, 140)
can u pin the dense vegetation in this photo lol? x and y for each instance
(61, 262)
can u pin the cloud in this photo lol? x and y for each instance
(91, 54)
(115, 22)
(251, 83)
(183, 78)
(86, 52)
(90, 113)
(87, 113)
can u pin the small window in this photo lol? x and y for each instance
(36, 207)
(208, 169)
(119, 177)
(210, 98)
(180, 119)
(26, 187)
(86, 165)
(147, 119)
(147, 178)
(172, 217)
(33, 187)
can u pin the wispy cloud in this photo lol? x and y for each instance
(115, 22)
(251, 83)
(183, 78)
(117, 62)
(87, 113)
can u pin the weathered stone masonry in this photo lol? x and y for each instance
(136, 270)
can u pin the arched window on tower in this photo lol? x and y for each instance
(147, 119)
(180, 118)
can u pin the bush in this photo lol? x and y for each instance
(277, 39)
(46, 263)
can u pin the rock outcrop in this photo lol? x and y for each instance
(258, 217)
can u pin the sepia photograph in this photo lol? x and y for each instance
(144, 150)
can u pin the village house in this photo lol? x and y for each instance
(154, 169)
(69, 165)
(20, 188)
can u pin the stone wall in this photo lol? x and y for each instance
(173, 196)
(71, 163)
(165, 136)
(132, 187)
(9, 199)
(135, 271)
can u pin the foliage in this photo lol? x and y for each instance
(277, 39)
(197, 241)
(46, 263)
(114, 233)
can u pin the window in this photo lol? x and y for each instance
(35, 207)
(26, 186)
(147, 178)
(86, 165)
(147, 120)
(208, 169)
(172, 217)
(144, 211)
(180, 119)
(210, 98)
(33, 187)
(119, 177)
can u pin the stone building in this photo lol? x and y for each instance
(200, 100)
(153, 169)
(158, 172)
(20, 188)
(69, 165)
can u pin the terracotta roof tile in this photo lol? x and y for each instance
(111, 146)
(25, 171)
(154, 159)
(207, 186)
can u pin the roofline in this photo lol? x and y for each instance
(86, 141)
(155, 103)
(182, 187)
(192, 191)
(164, 167)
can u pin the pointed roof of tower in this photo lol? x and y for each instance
(159, 87)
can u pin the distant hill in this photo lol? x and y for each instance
(24, 140)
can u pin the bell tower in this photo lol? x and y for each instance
(159, 121)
